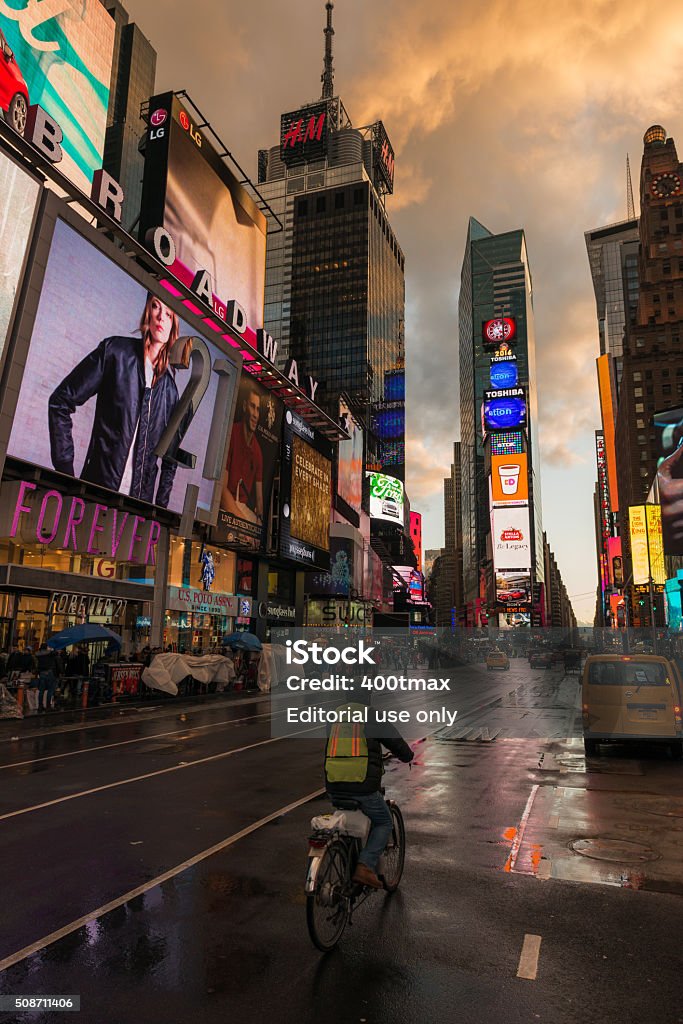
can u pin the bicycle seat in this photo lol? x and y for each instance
(344, 804)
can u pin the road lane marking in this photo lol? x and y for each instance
(528, 960)
(150, 775)
(94, 915)
(140, 739)
(517, 843)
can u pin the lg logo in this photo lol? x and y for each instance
(156, 120)
(189, 127)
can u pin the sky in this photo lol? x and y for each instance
(516, 112)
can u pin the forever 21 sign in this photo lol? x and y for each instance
(82, 606)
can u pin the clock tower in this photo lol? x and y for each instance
(653, 344)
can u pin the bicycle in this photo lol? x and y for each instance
(331, 896)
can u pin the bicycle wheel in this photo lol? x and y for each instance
(393, 858)
(327, 909)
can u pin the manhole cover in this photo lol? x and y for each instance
(621, 851)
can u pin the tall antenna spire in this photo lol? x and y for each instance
(630, 206)
(327, 77)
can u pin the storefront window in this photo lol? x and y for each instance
(39, 556)
(186, 566)
(281, 584)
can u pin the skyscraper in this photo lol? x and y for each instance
(652, 376)
(133, 74)
(498, 385)
(613, 257)
(335, 289)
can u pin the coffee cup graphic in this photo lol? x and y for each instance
(509, 478)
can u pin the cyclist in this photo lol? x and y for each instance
(353, 771)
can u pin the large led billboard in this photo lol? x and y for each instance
(350, 459)
(505, 409)
(383, 156)
(513, 589)
(509, 479)
(511, 535)
(215, 224)
(117, 389)
(253, 457)
(668, 426)
(305, 494)
(500, 329)
(58, 55)
(18, 198)
(339, 580)
(647, 550)
(304, 133)
(387, 498)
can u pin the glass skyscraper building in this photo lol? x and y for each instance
(495, 283)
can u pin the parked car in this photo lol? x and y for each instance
(14, 100)
(632, 697)
(497, 659)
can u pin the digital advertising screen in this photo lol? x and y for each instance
(668, 427)
(253, 457)
(339, 580)
(504, 373)
(511, 536)
(118, 390)
(513, 589)
(507, 442)
(647, 546)
(387, 497)
(61, 59)
(305, 494)
(509, 479)
(214, 222)
(19, 194)
(505, 409)
(384, 156)
(498, 330)
(350, 460)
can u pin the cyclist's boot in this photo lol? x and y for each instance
(363, 875)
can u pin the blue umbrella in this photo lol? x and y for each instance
(244, 641)
(88, 633)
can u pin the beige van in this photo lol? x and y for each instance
(635, 697)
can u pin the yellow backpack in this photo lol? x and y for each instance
(346, 756)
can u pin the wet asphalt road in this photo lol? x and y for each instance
(90, 815)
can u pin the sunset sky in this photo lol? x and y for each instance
(518, 113)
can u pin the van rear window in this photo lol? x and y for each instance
(627, 673)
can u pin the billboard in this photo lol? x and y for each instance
(505, 409)
(509, 479)
(603, 491)
(117, 390)
(18, 198)
(304, 134)
(350, 460)
(215, 224)
(253, 457)
(504, 373)
(59, 55)
(384, 156)
(668, 426)
(339, 580)
(513, 589)
(647, 547)
(416, 537)
(500, 329)
(387, 498)
(305, 494)
(507, 442)
(511, 535)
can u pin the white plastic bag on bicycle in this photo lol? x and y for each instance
(354, 822)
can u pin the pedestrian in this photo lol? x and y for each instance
(48, 671)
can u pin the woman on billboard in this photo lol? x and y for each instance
(136, 394)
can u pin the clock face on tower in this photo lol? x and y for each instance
(500, 329)
(664, 185)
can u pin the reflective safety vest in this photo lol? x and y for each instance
(346, 756)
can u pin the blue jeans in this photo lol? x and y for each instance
(375, 806)
(47, 684)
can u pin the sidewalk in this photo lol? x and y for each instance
(38, 723)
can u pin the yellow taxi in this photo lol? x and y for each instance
(497, 659)
(632, 697)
